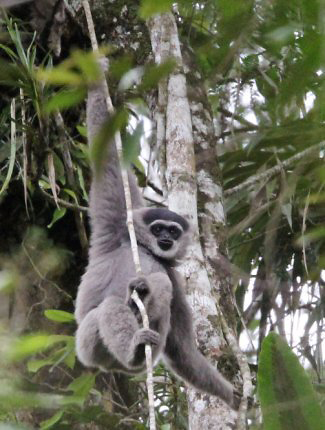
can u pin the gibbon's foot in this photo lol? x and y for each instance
(140, 339)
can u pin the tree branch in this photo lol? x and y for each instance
(63, 203)
(275, 170)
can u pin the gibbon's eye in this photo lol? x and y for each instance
(156, 229)
(175, 232)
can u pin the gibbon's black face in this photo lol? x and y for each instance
(163, 232)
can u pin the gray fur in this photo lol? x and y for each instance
(109, 334)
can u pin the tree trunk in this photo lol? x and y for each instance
(204, 411)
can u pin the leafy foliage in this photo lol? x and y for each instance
(262, 66)
(287, 397)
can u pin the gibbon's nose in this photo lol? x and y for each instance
(165, 244)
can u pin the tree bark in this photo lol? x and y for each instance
(204, 411)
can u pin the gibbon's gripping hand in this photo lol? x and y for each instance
(137, 348)
(142, 287)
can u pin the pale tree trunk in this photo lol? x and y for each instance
(204, 411)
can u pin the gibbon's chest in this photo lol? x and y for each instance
(123, 269)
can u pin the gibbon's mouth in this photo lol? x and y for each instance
(165, 244)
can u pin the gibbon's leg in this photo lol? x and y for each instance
(90, 349)
(121, 334)
(113, 325)
(155, 290)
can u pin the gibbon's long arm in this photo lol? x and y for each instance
(107, 201)
(186, 361)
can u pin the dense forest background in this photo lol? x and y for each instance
(255, 84)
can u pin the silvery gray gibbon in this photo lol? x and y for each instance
(109, 334)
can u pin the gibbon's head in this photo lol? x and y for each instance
(165, 233)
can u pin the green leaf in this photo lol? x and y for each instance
(44, 184)
(34, 365)
(154, 74)
(12, 398)
(51, 421)
(287, 397)
(31, 344)
(66, 354)
(82, 385)
(82, 130)
(150, 7)
(282, 35)
(119, 66)
(59, 316)
(99, 149)
(60, 76)
(57, 214)
(70, 359)
(9, 51)
(11, 160)
(8, 281)
(312, 235)
(65, 99)
(9, 426)
(287, 212)
(88, 64)
(59, 168)
(131, 144)
(72, 194)
(82, 183)
(28, 345)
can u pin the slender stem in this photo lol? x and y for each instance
(24, 141)
(63, 203)
(13, 145)
(134, 246)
